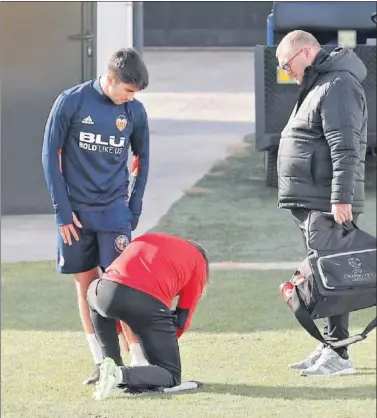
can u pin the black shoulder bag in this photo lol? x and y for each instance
(339, 275)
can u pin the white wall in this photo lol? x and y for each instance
(114, 30)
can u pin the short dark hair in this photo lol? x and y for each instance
(128, 67)
(202, 252)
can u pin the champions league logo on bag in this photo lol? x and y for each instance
(354, 262)
(121, 243)
(357, 273)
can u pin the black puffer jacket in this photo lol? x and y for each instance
(321, 157)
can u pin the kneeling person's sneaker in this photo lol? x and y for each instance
(309, 361)
(110, 378)
(330, 364)
(94, 378)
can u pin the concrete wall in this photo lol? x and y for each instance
(205, 23)
(113, 30)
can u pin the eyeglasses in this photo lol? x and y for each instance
(287, 66)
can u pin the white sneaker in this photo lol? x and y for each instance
(110, 378)
(330, 364)
(309, 361)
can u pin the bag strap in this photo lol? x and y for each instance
(303, 317)
(356, 338)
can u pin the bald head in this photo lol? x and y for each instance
(296, 40)
(296, 51)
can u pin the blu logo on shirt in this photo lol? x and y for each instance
(95, 142)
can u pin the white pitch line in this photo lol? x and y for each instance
(230, 265)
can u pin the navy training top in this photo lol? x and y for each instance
(85, 152)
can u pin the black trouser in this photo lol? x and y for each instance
(149, 319)
(336, 327)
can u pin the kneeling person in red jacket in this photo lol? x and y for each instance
(139, 288)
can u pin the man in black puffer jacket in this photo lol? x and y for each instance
(321, 159)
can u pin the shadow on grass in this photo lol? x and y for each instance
(278, 392)
(34, 297)
(249, 301)
(291, 393)
(238, 219)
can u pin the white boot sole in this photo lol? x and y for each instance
(345, 372)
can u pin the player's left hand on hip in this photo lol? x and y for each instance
(342, 212)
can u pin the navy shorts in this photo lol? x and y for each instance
(103, 236)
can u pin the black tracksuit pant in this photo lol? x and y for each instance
(336, 327)
(152, 323)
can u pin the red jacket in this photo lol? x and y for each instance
(163, 266)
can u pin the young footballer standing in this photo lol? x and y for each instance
(88, 134)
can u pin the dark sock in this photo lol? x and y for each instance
(342, 353)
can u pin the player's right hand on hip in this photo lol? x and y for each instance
(69, 231)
